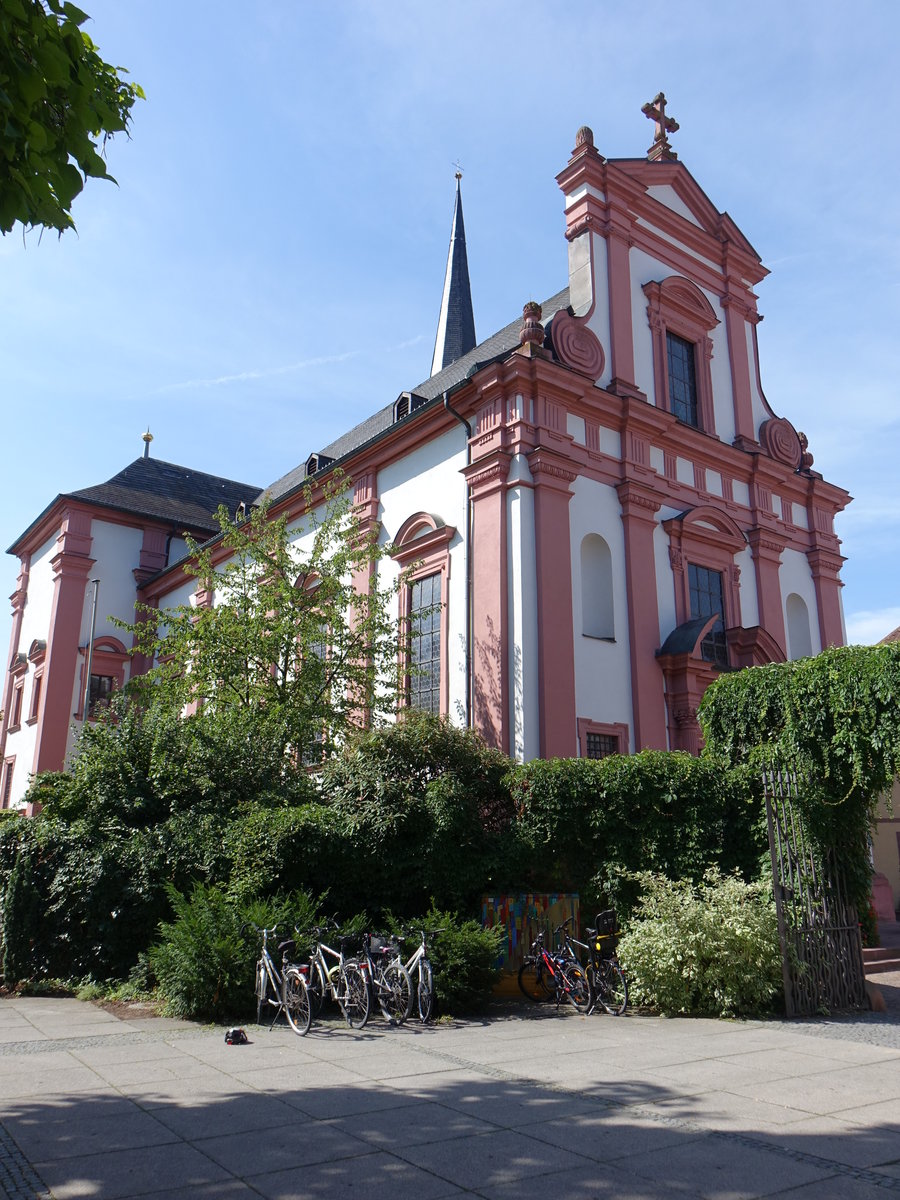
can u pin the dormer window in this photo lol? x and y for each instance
(316, 463)
(406, 403)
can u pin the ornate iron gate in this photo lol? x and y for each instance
(821, 948)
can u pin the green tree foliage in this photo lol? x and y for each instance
(707, 948)
(57, 99)
(290, 646)
(835, 720)
(425, 805)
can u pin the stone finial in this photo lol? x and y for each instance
(655, 110)
(532, 329)
(584, 137)
(806, 459)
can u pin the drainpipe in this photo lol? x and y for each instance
(90, 653)
(470, 681)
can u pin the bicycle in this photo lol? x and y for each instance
(609, 987)
(291, 994)
(388, 978)
(343, 979)
(421, 973)
(554, 976)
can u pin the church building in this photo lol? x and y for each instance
(600, 510)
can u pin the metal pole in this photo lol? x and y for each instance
(90, 653)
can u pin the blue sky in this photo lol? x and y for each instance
(269, 269)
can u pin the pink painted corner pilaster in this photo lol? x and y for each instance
(767, 551)
(17, 600)
(738, 311)
(490, 619)
(826, 568)
(71, 567)
(553, 477)
(639, 509)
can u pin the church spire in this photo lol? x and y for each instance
(456, 325)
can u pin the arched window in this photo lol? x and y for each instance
(597, 608)
(422, 548)
(798, 632)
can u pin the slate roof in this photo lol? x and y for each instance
(152, 488)
(496, 346)
(163, 491)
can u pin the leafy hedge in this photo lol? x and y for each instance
(835, 719)
(589, 825)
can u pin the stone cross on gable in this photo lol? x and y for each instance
(655, 110)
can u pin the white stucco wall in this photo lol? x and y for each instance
(760, 411)
(749, 595)
(599, 318)
(429, 480)
(665, 587)
(646, 269)
(794, 575)
(523, 620)
(35, 627)
(602, 668)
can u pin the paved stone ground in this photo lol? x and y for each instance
(526, 1103)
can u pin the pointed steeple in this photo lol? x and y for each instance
(456, 325)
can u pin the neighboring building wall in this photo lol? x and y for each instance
(886, 843)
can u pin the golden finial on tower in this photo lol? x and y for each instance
(147, 438)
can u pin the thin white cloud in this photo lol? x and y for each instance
(272, 372)
(865, 628)
(266, 373)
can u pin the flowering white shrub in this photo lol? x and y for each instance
(709, 949)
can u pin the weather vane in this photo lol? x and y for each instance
(459, 169)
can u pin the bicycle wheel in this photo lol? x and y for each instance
(316, 987)
(533, 982)
(577, 986)
(425, 991)
(612, 987)
(354, 996)
(296, 1001)
(262, 987)
(394, 993)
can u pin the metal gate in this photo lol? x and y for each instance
(821, 948)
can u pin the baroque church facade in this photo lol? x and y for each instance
(600, 509)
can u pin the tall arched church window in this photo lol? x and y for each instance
(422, 549)
(798, 631)
(597, 605)
(681, 322)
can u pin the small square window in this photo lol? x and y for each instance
(600, 745)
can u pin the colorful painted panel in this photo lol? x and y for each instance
(520, 917)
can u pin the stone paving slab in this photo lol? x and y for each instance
(527, 1103)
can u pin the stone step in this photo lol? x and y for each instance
(879, 965)
(875, 953)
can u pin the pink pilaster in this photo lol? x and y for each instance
(737, 313)
(553, 477)
(767, 551)
(639, 509)
(490, 638)
(826, 567)
(71, 567)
